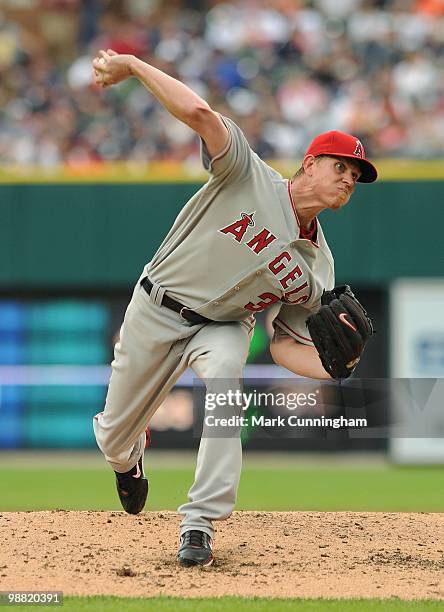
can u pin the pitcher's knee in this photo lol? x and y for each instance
(224, 367)
(111, 445)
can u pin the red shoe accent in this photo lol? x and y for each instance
(148, 436)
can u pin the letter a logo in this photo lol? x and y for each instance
(239, 227)
(359, 149)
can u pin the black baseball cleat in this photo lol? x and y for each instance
(195, 549)
(132, 486)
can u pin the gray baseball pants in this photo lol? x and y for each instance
(156, 345)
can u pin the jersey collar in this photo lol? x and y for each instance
(312, 233)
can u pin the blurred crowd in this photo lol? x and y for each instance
(284, 70)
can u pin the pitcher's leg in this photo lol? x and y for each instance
(217, 354)
(144, 369)
(213, 493)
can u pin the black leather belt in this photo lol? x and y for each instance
(185, 313)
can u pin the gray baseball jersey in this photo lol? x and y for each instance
(236, 247)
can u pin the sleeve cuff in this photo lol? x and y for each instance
(291, 332)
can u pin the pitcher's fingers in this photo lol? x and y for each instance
(111, 52)
(103, 54)
(98, 63)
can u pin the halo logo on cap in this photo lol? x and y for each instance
(359, 152)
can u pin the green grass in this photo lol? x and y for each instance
(175, 604)
(396, 489)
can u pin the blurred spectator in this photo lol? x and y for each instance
(283, 69)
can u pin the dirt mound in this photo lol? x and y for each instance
(275, 554)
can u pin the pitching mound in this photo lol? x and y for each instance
(276, 554)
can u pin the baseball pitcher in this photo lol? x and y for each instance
(246, 240)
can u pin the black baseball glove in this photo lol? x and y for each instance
(340, 330)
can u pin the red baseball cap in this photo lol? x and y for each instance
(344, 145)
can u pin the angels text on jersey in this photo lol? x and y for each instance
(284, 267)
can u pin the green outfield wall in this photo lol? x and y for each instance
(99, 236)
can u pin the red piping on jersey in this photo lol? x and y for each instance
(293, 332)
(292, 203)
(302, 233)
